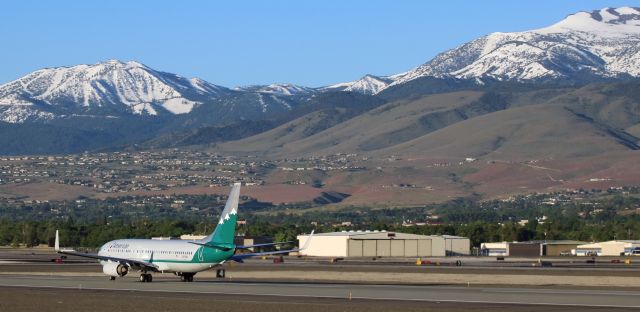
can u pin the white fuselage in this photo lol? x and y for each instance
(168, 255)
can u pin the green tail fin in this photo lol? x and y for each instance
(226, 228)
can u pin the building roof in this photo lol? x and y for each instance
(451, 237)
(559, 242)
(589, 246)
(380, 235)
(347, 233)
(628, 243)
(526, 243)
(496, 245)
(548, 242)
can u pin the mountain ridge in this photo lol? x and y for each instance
(536, 54)
(127, 102)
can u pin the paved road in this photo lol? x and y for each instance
(474, 294)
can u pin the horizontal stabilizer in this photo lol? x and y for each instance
(263, 245)
(223, 247)
(240, 257)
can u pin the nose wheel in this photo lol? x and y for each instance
(146, 278)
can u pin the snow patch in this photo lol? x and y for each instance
(13, 99)
(368, 84)
(279, 100)
(21, 114)
(144, 109)
(179, 105)
(627, 11)
(263, 105)
(277, 88)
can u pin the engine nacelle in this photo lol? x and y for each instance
(115, 269)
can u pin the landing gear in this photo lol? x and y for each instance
(187, 277)
(112, 278)
(146, 278)
(220, 273)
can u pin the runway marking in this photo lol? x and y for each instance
(168, 279)
(282, 285)
(325, 297)
(46, 277)
(566, 292)
(43, 277)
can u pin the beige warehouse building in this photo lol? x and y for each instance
(609, 248)
(382, 244)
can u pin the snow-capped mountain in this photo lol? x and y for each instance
(603, 43)
(585, 45)
(277, 88)
(369, 84)
(111, 87)
(600, 44)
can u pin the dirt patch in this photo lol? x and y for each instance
(276, 193)
(45, 191)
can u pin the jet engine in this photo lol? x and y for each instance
(115, 269)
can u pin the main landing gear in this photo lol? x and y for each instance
(220, 273)
(146, 278)
(112, 278)
(187, 277)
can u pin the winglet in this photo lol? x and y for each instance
(57, 243)
(306, 244)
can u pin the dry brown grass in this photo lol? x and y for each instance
(45, 191)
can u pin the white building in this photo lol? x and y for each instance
(500, 249)
(609, 248)
(382, 244)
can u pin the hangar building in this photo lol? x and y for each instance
(457, 245)
(560, 247)
(383, 244)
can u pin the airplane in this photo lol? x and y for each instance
(181, 257)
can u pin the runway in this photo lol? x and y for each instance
(298, 290)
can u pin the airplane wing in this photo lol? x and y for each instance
(241, 257)
(130, 262)
(263, 245)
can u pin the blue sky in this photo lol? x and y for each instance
(232, 43)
